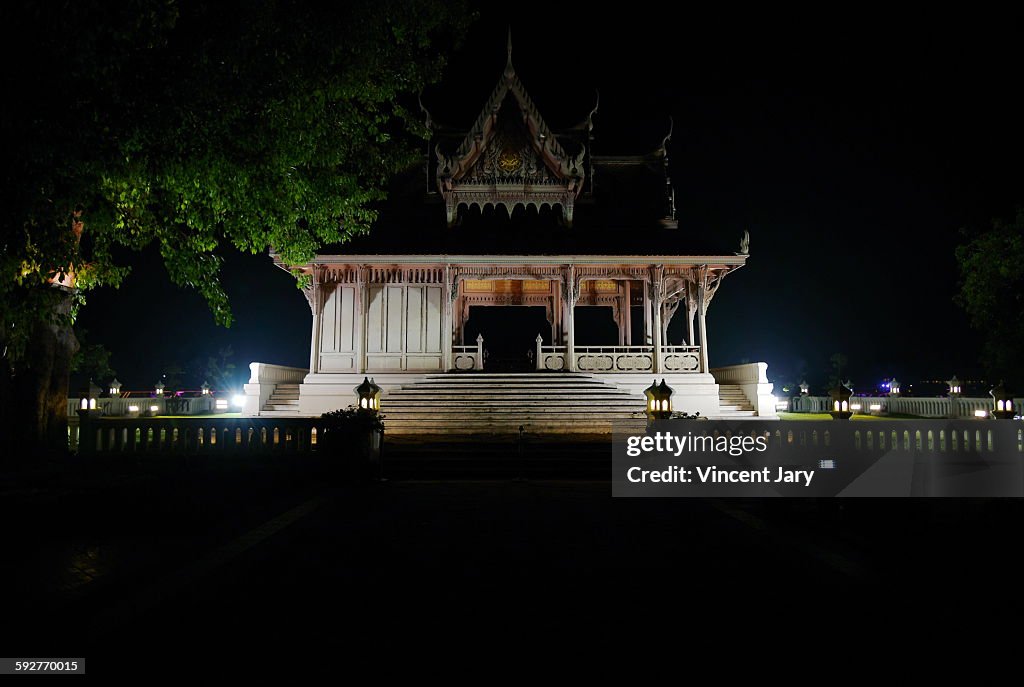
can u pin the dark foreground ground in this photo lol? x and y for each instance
(262, 563)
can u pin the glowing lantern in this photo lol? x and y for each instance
(115, 388)
(840, 397)
(1002, 402)
(368, 396)
(659, 400)
(87, 397)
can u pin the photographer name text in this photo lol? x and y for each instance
(712, 474)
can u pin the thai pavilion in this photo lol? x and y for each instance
(527, 280)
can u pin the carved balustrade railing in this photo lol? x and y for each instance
(192, 435)
(680, 358)
(676, 359)
(469, 357)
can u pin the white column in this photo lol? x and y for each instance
(656, 291)
(570, 294)
(362, 308)
(701, 319)
(313, 296)
(648, 339)
(628, 314)
(691, 308)
(447, 320)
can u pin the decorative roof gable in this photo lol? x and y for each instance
(510, 157)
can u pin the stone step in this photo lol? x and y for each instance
(512, 428)
(508, 414)
(527, 404)
(508, 385)
(515, 375)
(427, 397)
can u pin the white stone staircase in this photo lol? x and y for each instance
(733, 403)
(283, 402)
(493, 403)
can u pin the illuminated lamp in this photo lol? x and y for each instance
(659, 400)
(368, 396)
(840, 397)
(1002, 402)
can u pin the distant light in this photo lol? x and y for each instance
(134, 409)
(238, 400)
(980, 413)
(855, 406)
(153, 409)
(222, 403)
(876, 406)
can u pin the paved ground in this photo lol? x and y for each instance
(263, 560)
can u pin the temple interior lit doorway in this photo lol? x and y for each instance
(510, 334)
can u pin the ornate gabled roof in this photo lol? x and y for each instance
(484, 124)
(510, 159)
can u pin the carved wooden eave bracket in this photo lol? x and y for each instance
(486, 170)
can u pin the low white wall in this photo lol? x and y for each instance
(938, 406)
(752, 379)
(263, 378)
(121, 406)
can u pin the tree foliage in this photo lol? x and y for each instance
(188, 125)
(92, 361)
(992, 292)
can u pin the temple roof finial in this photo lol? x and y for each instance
(668, 136)
(509, 69)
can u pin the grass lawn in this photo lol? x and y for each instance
(172, 417)
(826, 416)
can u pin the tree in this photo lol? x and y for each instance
(838, 369)
(188, 125)
(992, 292)
(92, 360)
(218, 370)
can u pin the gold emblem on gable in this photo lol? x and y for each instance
(509, 161)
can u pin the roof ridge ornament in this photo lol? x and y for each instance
(744, 244)
(429, 121)
(668, 137)
(509, 69)
(597, 104)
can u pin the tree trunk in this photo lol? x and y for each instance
(34, 390)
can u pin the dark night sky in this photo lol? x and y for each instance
(853, 149)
